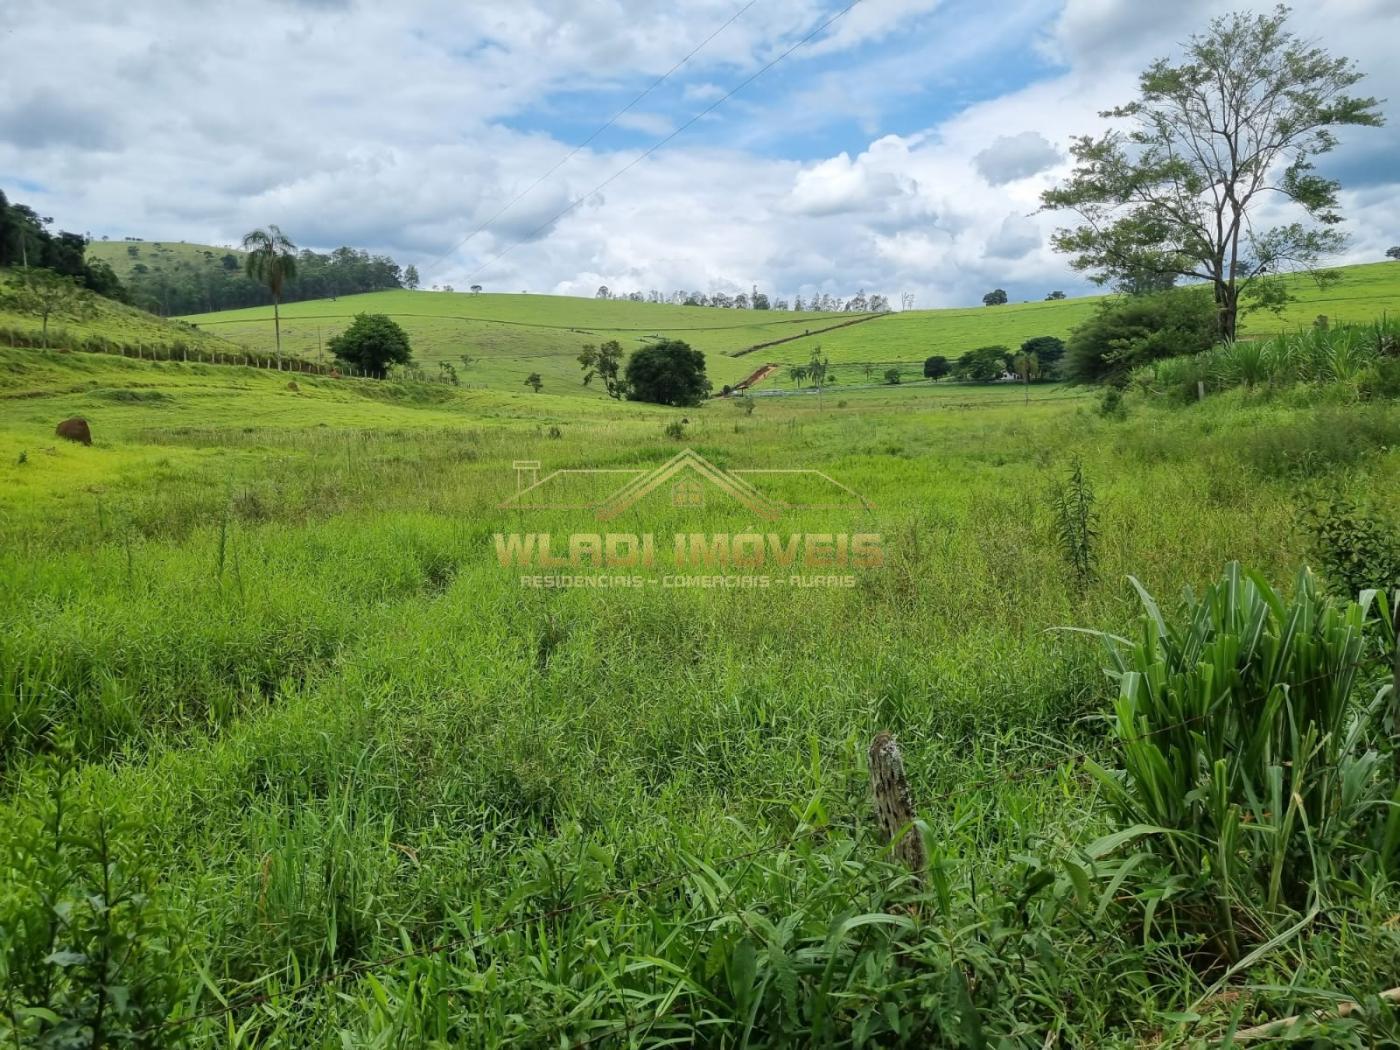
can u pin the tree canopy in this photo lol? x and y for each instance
(996, 297)
(1240, 119)
(984, 364)
(372, 343)
(604, 362)
(936, 367)
(667, 372)
(1128, 332)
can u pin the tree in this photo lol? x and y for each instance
(996, 297)
(602, 292)
(271, 261)
(760, 300)
(1125, 333)
(371, 344)
(45, 293)
(1027, 367)
(892, 377)
(1047, 349)
(534, 382)
(1057, 294)
(1239, 120)
(984, 364)
(936, 367)
(604, 362)
(1393, 253)
(798, 374)
(667, 372)
(410, 278)
(475, 289)
(818, 368)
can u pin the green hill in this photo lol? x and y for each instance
(110, 327)
(511, 336)
(124, 256)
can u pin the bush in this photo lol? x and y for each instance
(1353, 548)
(1251, 787)
(1128, 332)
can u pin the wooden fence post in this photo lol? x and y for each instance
(1395, 667)
(894, 804)
(1200, 390)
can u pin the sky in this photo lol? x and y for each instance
(901, 149)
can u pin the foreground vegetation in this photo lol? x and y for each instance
(342, 780)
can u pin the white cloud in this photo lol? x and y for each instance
(1013, 157)
(399, 128)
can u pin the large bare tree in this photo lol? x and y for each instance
(1208, 140)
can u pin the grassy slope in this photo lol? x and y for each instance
(117, 254)
(121, 324)
(513, 335)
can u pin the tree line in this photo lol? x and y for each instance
(26, 243)
(213, 280)
(755, 300)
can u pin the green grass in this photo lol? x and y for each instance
(514, 335)
(155, 254)
(111, 322)
(377, 793)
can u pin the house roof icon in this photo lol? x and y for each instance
(559, 489)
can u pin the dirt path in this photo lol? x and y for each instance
(810, 332)
(756, 377)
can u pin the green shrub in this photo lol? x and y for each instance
(1382, 380)
(85, 959)
(1127, 332)
(1250, 786)
(1353, 548)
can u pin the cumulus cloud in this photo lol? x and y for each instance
(1013, 157)
(878, 156)
(1015, 238)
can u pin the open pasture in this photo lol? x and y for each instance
(376, 787)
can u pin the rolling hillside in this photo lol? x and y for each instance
(110, 327)
(511, 336)
(124, 256)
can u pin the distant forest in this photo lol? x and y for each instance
(25, 240)
(185, 279)
(164, 282)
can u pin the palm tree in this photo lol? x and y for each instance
(271, 261)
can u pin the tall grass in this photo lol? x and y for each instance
(1348, 355)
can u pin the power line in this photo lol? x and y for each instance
(652, 149)
(610, 122)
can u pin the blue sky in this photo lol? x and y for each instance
(903, 149)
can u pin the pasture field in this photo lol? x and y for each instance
(120, 257)
(110, 324)
(370, 790)
(511, 336)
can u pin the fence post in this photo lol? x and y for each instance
(1395, 665)
(894, 804)
(1200, 390)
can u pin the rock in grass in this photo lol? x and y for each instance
(75, 429)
